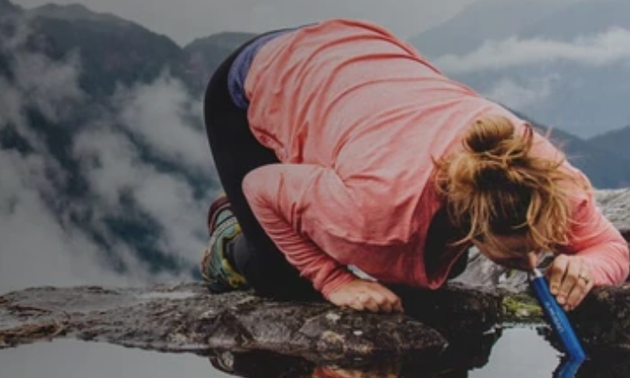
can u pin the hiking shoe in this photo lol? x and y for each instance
(217, 272)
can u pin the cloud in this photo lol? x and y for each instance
(10, 103)
(160, 114)
(610, 47)
(113, 167)
(53, 236)
(51, 86)
(36, 248)
(515, 94)
(55, 91)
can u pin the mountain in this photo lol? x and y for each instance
(77, 12)
(109, 46)
(617, 141)
(481, 21)
(605, 165)
(203, 55)
(8, 9)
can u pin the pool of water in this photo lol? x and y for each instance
(519, 352)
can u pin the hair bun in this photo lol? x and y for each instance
(487, 133)
(495, 156)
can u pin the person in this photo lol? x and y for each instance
(338, 145)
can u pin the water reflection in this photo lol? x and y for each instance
(568, 368)
(489, 356)
(518, 353)
(66, 358)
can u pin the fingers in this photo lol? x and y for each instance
(376, 299)
(569, 281)
(387, 300)
(572, 270)
(556, 273)
(381, 302)
(398, 307)
(365, 301)
(578, 293)
(366, 295)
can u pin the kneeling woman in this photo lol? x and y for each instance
(338, 144)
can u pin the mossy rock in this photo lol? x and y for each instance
(521, 308)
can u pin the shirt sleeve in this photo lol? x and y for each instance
(592, 236)
(595, 239)
(280, 195)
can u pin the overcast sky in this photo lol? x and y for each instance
(185, 20)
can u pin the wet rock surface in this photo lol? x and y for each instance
(457, 309)
(615, 205)
(187, 318)
(603, 320)
(612, 365)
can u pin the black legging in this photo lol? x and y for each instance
(236, 152)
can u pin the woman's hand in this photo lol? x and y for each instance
(569, 281)
(366, 295)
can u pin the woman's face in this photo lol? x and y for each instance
(511, 251)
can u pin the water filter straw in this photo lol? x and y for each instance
(568, 368)
(556, 316)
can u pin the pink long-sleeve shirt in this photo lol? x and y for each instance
(355, 116)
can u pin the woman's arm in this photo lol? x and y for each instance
(598, 244)
(597, 255)
(310, 215)
(593, 239)
(280, 195)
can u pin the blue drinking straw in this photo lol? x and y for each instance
(556, 316)
(568, 368)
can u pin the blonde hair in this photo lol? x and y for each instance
(496, 187)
